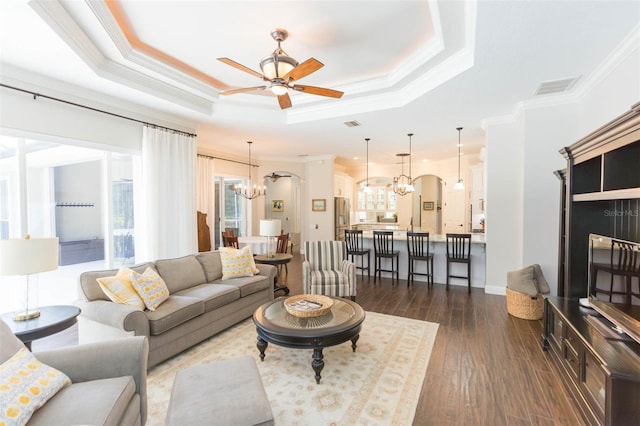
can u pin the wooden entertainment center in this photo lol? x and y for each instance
(601, 195)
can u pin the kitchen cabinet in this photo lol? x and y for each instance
(343, 186)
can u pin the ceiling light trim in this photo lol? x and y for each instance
(60, 21)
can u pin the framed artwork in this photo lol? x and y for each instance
(277, 205)
(319, 204)
(427, 205)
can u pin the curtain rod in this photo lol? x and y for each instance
(226, 159)
(36, 95)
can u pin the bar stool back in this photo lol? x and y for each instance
(459, 251)
(355, 247)
(418, 250)
(383, 249)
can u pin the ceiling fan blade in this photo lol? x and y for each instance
(303, 69)
(243, 68)
(242, 90)
(318, 91)
(284, 101)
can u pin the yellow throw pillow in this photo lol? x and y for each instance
(237, 263)
(150, 287)
(120, 289)
(25, 385)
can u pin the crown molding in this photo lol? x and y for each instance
(129, 53)
(628, 47)
(61, 22)
(28, 80)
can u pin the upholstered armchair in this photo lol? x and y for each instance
(326, 269)
(108, 381)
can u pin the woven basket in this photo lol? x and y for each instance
(521, 305)
(324, 302)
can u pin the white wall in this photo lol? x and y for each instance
(319, 185)
(504, 205)
(522, 208)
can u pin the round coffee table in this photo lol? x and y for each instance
(275, 325)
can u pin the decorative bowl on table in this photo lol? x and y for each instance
(308, 305)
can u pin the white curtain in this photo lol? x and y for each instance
(167, 220)
(206, 192)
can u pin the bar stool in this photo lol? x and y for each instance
(459, 251)
(624, 262)
(355, 247)
(418, 250)
(383, 249)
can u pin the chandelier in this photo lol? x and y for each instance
(247, 191)
(402, 185)
(459, 184)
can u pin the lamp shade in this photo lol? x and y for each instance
(23, 256)
(270, 227)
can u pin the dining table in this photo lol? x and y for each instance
(258, 243)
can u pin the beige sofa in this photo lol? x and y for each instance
(200, 304)
(109, 382)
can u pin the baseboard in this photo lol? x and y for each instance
(495, 289)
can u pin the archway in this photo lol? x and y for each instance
(427, 204)
(283, 202)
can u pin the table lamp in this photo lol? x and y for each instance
(270, 228)
(26, 257)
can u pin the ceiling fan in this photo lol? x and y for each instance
(280, 71)
(275, 176)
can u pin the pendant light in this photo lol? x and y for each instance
(367, 188)
(247, 191)
(403, 185)
(459, 184)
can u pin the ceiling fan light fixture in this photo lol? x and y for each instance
(279, 89)
(277, 64)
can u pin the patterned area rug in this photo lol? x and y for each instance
(378, 384)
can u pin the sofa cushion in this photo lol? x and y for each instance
(213, 295)
(180, 273)
(237, 263)
(88, 284)
(96, 402)
(175, 311)
(211, 264)
(248, 285)
(25, 385)
(150, 287)
(120, 289)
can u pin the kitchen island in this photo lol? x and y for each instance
(437, 246)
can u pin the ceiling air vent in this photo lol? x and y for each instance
(353, 123)
(556, 86)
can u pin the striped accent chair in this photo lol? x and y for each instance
(326, 269)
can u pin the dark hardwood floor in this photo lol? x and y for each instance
(486, 368)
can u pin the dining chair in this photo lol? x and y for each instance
(624, 262)
(419, 251)
(282, 244)
(459, 251)
(355, 247)
(383, 249)
(230, 242)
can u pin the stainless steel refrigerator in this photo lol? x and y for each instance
(341, 211)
